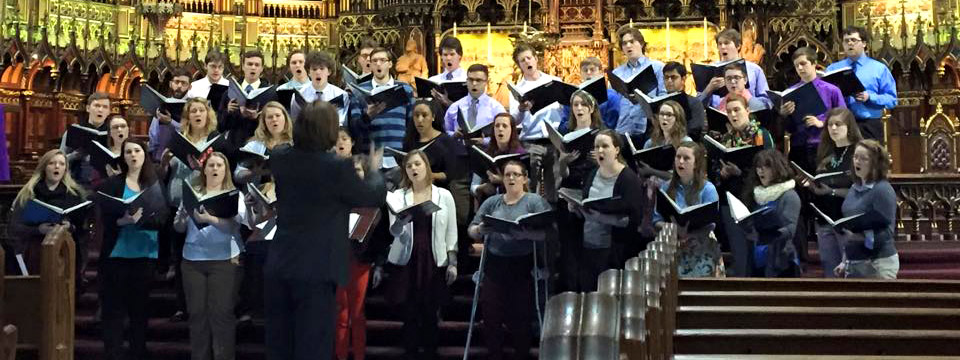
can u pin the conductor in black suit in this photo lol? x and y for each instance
(308, 257)
(240, 122)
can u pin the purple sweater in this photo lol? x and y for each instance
(832, 98)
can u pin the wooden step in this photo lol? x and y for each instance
(796, 317)
(820, 298)
(817, 342)
(822, 285)
(807, 357)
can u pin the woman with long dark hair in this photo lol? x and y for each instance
(505, 140)
(128, 255)
(834, 154)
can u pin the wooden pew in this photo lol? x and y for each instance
(831, 285)
(42, 306)
(796, 317)
(821, 298)
(818, 342)
(805, 357)
(818, 317)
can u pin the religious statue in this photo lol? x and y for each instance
(751, 50)
(412, 64)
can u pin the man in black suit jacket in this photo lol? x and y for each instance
(238, 123)
(309, 255)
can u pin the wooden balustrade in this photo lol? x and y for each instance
(42, 306)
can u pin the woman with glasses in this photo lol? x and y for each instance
(507, 297)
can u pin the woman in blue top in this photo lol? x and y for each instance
(211, 260)
(771, 185)
(128, 255)
(869, 250)
(699, 249)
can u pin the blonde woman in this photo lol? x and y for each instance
(51, 183)
(275, 128)
(211, 266)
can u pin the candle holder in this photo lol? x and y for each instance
(159, 12)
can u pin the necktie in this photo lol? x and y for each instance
(449, 76)
(472, 112)
(319, 96)
(248, 89)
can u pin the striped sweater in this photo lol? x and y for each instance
(385, 129)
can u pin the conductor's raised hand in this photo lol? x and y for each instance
(375, 158)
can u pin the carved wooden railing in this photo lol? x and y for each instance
(927, 206)
(46, 326)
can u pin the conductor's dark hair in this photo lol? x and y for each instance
(317, 127)
(675, 66)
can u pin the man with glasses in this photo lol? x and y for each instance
(363, 57)
(728, 47)
(881, 89)
(214, 65)
(374, 121)
(736, 82)
(674, 80)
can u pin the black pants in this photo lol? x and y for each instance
(299, 318)
(125, 289)
(421, 328)
(571, 242)
(593, 262)
(251, 287)
(871, 129)
(506, 298)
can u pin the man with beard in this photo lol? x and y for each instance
(163, 124)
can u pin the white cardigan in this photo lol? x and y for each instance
(444, 229)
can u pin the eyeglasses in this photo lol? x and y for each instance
(512, 175)
(733, 78)
(667, 115)
(851, 40)
(379, 60)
